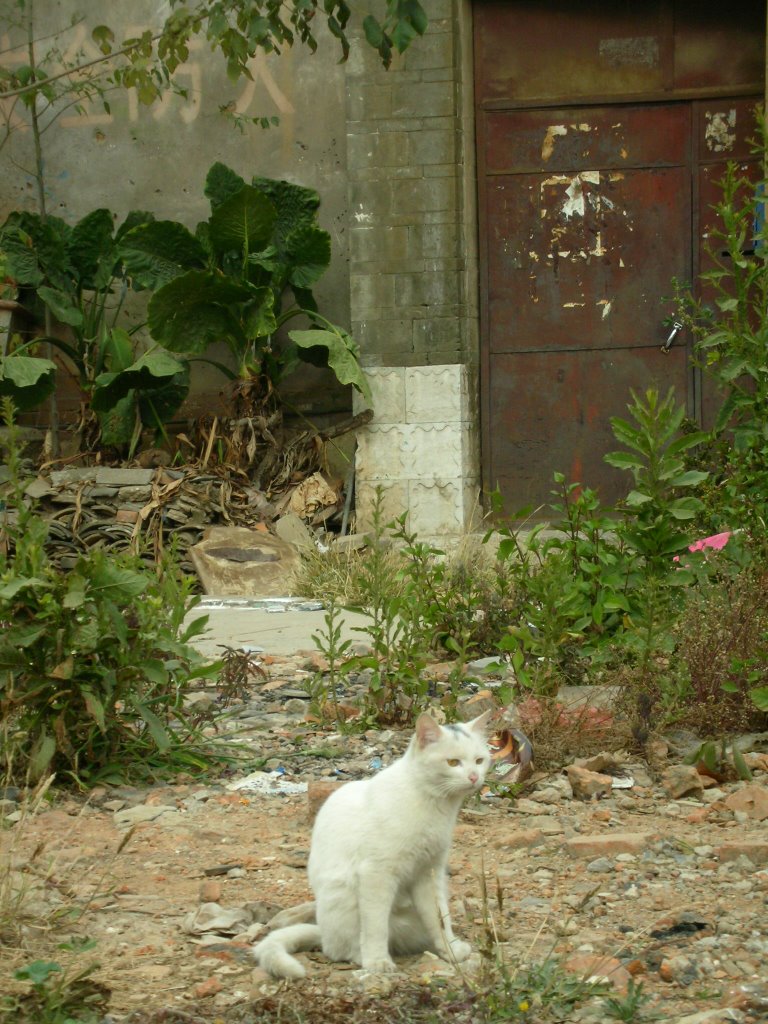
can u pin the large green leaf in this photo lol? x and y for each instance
(244, 222)
(116, 350)
(118, 423)
(118, 584)
(308, 249)
(157, 406)
(37, 250)
(62, 304)
(91, 249)
(157, 252)
(259, 319)
(295, 205)
(151, 371)
(28, 380)
(133, 220)
(221, 182)
(41, 755)
(195, 310)
(342, 355)
(21, 262)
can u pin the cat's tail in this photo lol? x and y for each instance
(274, 952)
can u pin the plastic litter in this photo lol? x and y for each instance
(511, 755)
(622, 782)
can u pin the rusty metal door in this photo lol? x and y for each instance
(580, 263)
(599, 143)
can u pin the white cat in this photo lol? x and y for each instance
(378, 858)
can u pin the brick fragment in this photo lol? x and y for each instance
(756, 850)
(589, 847)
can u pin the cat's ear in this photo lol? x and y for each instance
(427, 731)
(479, 724)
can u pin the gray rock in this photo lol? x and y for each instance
(142, 812)
(601, 864)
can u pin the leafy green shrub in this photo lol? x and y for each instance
(573, 582)
(730, 327)
(654, 512)
(78, 276)
(229, 281)
(94, 661)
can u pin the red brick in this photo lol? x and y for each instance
(756, 850)
(608, 845)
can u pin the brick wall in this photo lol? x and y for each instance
(410, 155)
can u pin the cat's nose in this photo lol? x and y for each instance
(473, 777)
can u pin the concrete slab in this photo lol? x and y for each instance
(282, 625)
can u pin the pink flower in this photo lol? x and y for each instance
(717, 542)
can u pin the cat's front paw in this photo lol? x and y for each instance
(459, 950)
(379, 965)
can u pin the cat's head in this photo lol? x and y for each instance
(453, 759)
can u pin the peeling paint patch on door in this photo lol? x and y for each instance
(548, 145)
(720, 131)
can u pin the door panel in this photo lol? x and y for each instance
(580, 262)
(551, 410)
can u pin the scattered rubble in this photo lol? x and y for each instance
(624, 884)
(142, 508)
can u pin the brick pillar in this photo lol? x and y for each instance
(413, 270)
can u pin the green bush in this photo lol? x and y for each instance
(94, 661)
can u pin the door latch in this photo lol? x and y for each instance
(676, 328)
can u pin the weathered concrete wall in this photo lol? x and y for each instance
(391, 154)
(156, 158)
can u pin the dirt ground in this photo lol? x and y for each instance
(636, 877)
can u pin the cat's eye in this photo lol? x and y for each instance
(453, 762)
(480, 760)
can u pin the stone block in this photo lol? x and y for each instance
(440, 340)
(406, 101)
(371, 291)
(436, 394)
(387, 384)
(376, 149)
(413, 451)
(432, 147)
(435, 50)
(391, 339)
(412, 197)
(429, 289)
(394, 501)
(433, 241)
(439, 508)
(371, 102)
(375, 242)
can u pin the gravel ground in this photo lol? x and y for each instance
(642, 874)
